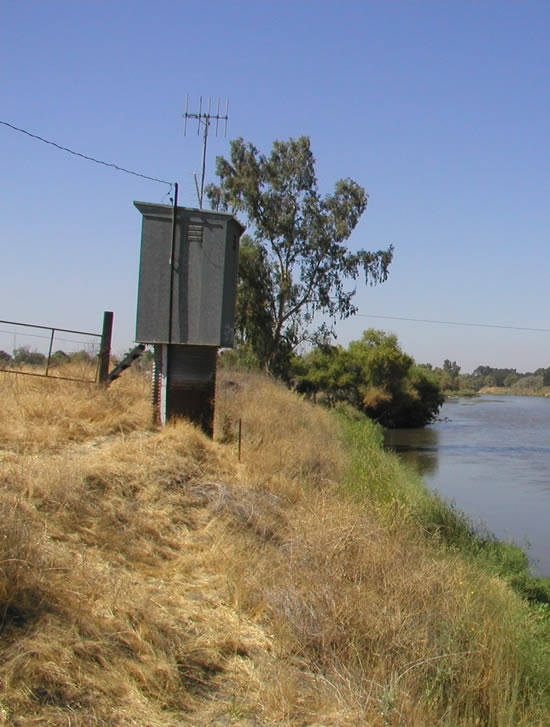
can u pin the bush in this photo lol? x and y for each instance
(23, 355)
(375, 376)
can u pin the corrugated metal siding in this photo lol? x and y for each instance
(195, 302)
(191, 384)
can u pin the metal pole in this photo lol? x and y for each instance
(163, 349)
(171, 261)
(206, 125)
(197, 189)
(240, 433)
(105, 348)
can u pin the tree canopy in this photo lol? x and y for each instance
(296, 263)
(374, 375)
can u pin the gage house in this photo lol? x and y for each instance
(186, 304)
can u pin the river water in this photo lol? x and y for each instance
(491, 456)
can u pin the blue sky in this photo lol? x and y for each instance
(439, 109)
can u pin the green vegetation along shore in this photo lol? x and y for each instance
(152, 578)
(489, 380)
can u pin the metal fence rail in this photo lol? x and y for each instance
(104, 349)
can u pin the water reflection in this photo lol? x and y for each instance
(419, 448)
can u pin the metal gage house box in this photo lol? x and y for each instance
(186, 304)
(189, 299)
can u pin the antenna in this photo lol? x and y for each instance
(205, 118)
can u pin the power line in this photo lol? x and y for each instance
(84, 156)
(455, 323)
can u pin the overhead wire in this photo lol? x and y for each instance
(85, 156)
(454, 323)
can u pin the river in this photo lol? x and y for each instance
(491, 456)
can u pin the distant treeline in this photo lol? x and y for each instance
(24, 356)
(451, 380)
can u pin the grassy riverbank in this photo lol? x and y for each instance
(150, 578)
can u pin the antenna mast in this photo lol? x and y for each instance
(205, 118)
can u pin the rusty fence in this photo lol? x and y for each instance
(95, 346)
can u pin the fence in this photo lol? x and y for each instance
(96, 346)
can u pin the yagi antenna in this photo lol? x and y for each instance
(204, 119)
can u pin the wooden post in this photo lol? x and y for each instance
(240, 436)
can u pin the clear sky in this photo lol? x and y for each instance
(439, 109)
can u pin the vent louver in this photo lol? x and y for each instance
(194, 233)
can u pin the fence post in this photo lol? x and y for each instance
(50, 351)
(240, 437)
(105, 348)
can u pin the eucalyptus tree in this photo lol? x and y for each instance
(297, 264)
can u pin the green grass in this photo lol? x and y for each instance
(401, 499)
(393, 487)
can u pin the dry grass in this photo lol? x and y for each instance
(150, 579)
(393, 629)
(41, 414)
